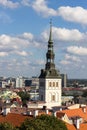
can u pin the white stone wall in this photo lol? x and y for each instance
(48, 91)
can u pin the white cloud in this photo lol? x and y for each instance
(26, 2)
(78, 50)
(28, 36)
(64, 62)
(64, 34)
(15, 40)
(15, 44)
(40, 6)
(9, 4)
(2, 54)
(21, 53)
(72, 58)
(73, 14)
(22, 45)
(67, 35)
(5, 39)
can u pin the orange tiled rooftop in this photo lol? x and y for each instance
(14, 119)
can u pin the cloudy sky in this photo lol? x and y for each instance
(24, 33)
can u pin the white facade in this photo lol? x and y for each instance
(3, 84)
(50, 92)
(19, 82)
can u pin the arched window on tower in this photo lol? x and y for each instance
(53, 84)
(50, 84)
(56, 84)
(53, 97)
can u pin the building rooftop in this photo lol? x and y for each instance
(13, 118)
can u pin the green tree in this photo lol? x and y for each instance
(24, 96)
(43, 122)
(7, 126)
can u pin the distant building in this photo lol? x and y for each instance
(64, 80)
(34, 81)
(20, 82)
(3, 84)
(28, 82)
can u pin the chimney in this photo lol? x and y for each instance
(84, 109)
(76, 122)
(35, 113)
(29, 113)
(47, 111)
(54, 113)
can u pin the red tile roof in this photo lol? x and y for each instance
(14, 119)
(70, 127)
(83, 126)
(75, 112)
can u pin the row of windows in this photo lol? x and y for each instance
(53, 84)
(52, 98)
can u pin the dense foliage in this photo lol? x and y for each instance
(6, 126)
(43, 122)
(24, 96)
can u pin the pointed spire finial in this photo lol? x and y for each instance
(50, 36)
(50, 22)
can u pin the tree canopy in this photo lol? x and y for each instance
(6, 126)
(43, 122)
(24, 96)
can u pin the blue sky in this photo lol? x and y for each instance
(24, 33)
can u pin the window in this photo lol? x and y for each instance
(50, 84)
(53, 84)
(41, 97)
(56, 84)
(53, 97)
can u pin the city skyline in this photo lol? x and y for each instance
(24, 34)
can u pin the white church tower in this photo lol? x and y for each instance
(50, 79)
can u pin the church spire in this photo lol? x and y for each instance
(50, 70)
(50, 36)
(50, 53)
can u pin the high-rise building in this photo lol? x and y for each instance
(64, 80)
(19, 82)
(50, 79)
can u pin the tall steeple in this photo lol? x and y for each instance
(50, 79)
(50, 53)
(50, 70)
